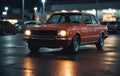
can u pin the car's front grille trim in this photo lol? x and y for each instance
(44, 33)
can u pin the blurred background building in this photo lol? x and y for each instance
(105, 10)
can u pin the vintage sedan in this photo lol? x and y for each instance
(67, 30)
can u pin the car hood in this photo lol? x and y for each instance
(53, 27)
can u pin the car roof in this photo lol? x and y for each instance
(64, 13)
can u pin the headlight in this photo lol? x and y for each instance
(27, 33)
(62, 33)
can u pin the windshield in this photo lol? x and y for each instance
(65, 18)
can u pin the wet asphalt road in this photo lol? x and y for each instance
(16, 59)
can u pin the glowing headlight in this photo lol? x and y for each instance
(27, 32)
(62, 33)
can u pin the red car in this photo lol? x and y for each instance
(67, 30)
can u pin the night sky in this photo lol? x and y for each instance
(29, 4)
(18, 3)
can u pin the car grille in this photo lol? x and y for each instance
(44, 33)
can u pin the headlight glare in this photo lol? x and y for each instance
(62, 33)
(27, 32)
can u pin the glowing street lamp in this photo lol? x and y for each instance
(6, 10)
(4, 13)
(35, 12)
(96, 8)
(43, 2)
(35, 9)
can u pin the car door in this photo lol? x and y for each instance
(88, 28)
(96, 28)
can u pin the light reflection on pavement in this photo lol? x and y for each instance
(16, 60)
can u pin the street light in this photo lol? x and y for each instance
(35, 9)
(35, 13)
(23, 11)
(43, 1)
(6, 10)
(96, 1)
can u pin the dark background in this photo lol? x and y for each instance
(32, 3)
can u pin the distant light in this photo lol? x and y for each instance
(109, 10)
(75, 11)
(64, 11)
(93, 11)
(43, 1)
(4, 13)
(35, 8)
(13, 21)
(6, 8)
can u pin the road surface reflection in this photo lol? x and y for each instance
(16, 60)
(29, 67)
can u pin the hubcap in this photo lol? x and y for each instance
(76, 45)
(101, 41)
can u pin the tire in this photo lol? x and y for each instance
(100, 42)
(74, 47)
(33, 49)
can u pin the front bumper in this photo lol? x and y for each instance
(45, 42)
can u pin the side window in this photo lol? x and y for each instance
(54, 19)
(62, 20)
(94, 21)
(87, 19)
(76, 18)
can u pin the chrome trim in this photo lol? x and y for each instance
(91, 36)
(92, 42)
(55, 38)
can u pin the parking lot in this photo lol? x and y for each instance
(17, 60)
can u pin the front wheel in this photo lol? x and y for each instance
(100, 42)
(33, 48)
(74, 47)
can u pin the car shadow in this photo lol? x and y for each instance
(63, 54)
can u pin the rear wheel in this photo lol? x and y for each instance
(33, 48)
(100, 42)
